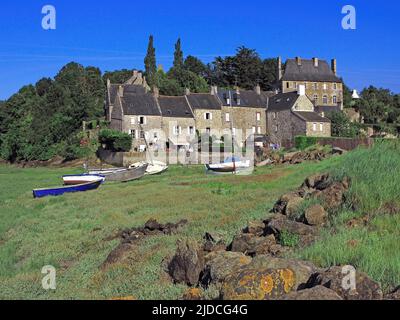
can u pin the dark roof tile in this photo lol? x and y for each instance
(140, 104)
(282, 101)
(175, 107)
(308, 72)
(311, 116)
(204, 101)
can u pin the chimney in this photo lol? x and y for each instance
(156, 92)
(187, 91)
(316, 62)
(108, 83)
(301, 90)
(257, 89)
(334, 66)
(121, 91)
(298, 61)
(214, 90)
(279, 68)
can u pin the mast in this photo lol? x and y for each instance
(147, 145)
(233, 141)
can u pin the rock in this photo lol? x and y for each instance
(152, 225)
(333, 196)
(292, 206)
(250, 244)
(258, 284)
(333, 278)
(314, 180)
(256, 227)
(264, 163)
(394, 295)
(287, 157)
(337, 150)
(303, 270)
(213, 242)
(316, 215)
(117, 254)
(316, 293)
(193, 294)
(220, 264)
(277, 226)
(187, 263)
(281, 204)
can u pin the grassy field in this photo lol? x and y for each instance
(67, 232)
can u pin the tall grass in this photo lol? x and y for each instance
(374, 248)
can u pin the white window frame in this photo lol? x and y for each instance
(227, 117)
(314, 127)
(210, 115)
(133, 120)
(324, 99)
(334, 99)
(254, 129)
(325, 86)
(259, 130)
(191, 130)
(321, 127)
(144, 120)
(258, 116)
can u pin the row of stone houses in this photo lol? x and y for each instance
(307, 90)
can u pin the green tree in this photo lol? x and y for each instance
(195, 65)
(376, 105)
(342, 126)
(178, 55)
(118, 76)
(150, 63)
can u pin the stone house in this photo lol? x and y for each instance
(243, 112)
(178, 121)
(293, 114)
(322, 84)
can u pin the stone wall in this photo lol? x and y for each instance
(325, 132)
(202, 124)
(288, 126)
(184, 123)
(152, 124)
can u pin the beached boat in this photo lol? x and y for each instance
(57, 191)
(230, 165)
(153, 168)
(81, 178)
(105, 171)
(127, 175)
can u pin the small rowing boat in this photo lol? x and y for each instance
(127, 175)
(57, 191)
(153, 168)
(105, 171)
(81, 178)
(230, 165)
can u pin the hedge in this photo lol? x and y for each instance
(303, 142)
(115, 140)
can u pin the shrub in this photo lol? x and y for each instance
(303, 142)
(115, 140)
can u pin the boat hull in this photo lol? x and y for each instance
(127, 174)
(58, 191)
(81, 178)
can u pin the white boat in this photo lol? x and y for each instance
(81, 179)
(230, 165)
(155, 167)
(106, 171)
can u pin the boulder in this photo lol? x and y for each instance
(315, 293)
(218, 265)
(213, 242)
(251, 244)
(316, 215)
(280, 205)
(292, 206)
(333, 196)
(314, 180)
(258, 284)
(394, 295)
(255, 227)
(277, 226)
(187, 263)
(303, 270)
(152, 225)
(333, 278)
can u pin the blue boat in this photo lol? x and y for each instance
(58, 191)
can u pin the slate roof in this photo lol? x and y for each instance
(204, 101)
(310, 116)
(282, 101)
(308, 72)
(175, 107)
(140, 104)
(327, 109)
(112, 92)
(248, 98)
(128, 89)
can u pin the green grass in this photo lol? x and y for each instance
(373, 248)
(67, 232)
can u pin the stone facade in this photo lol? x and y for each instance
(179, 131)
(138, 126)
(203, 122)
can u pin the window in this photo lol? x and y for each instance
(254, 130)
(177, 130)
(315, 86)
(287, 85)
(191, 130)
(142, 120)
(133, 133)
(335, 86)
(234, 131)
(155, 135)
(208, 116)
(325, 86)
(142, 134)
(208, 131)
(295, 85)
(132, 120)
(334, 100)
(227, 117)
(276, 129)
(258, 116)
(314, 127)
(321, 127)
(305, 85)
(259, 130)
(325, 99)
(316, 98)
(274, 115)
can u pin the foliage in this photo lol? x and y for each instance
(195, 65)
(178, 55)
(115, 140)
(150, 63)
(342, 126)
(40, 121)
(168, 86)
(118, 76)
(304, 142)
(288, 239)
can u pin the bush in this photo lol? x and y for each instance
(303, 142)
(115, 140)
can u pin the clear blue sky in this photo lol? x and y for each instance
(113, 35)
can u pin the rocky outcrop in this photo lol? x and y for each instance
(316, 215)
(334, 278)
(315, 293)
(251, 244)
(187, 264)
